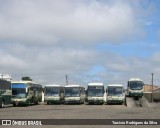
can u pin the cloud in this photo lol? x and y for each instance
(119, 69)
(50, 22)
(46, 65)
(48, 39)
(9, 61)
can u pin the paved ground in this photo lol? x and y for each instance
(44, 111)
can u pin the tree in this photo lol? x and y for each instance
(26, 78)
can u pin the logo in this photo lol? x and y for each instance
(6, 122)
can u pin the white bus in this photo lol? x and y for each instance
(135, 87)
(74, 94)
(95, 93)
(53, 94)
(26, 92)
(115, 93)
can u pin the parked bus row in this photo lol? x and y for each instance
(94, 94)
(28, 92)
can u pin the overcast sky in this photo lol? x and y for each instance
(105, 41)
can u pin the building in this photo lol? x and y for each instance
(5, 76)
(148, 88)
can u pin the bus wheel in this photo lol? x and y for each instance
(14, 105)
(47, 102)
(29, 103)
(2, 105)
(37, 102)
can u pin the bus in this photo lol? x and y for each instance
(26, 93)
(74, 94)
(53, 94)
(115, 94)
(95, 93)
(135, 87)
(5, 92)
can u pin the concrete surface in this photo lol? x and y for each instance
(44, 111)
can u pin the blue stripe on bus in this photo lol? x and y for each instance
(18, 86)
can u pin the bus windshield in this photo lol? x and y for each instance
(95, 91)
(72, 92)
(52, 91)
(115, 91)
(19, 90)
(136, 85)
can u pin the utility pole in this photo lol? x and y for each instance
(66, 79)
(152, 89)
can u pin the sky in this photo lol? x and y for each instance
(105, 41)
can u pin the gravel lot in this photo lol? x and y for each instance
(44, 111)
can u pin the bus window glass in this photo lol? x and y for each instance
(52, 91)
(115, 91)
(19, 90)
(136, 85)
(95, 91)
(72, 92)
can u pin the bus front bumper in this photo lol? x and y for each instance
(22, 101)
(115, 100)
(94, 100)
(136, 94)
(52, 99)
(72, 100)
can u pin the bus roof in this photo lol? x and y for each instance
(73, 86)
(115, 85)
(95, 84)
(53, 85)
(135, 79)
(25, 82)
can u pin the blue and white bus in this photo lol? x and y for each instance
(26, 92)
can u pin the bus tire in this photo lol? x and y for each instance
(2, 104)
(29, 103)
(14, 105)
(36, 103)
